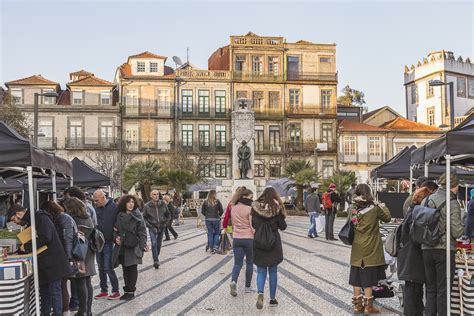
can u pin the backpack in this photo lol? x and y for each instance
(264, 238)
(425, 226)
(327, 200)
(393, 241)
(79, 245)
(97, 240)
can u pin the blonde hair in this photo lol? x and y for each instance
(211, 198)
(237, 195)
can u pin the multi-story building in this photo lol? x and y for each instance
(431, 105)
(83, 121)
(292, 89)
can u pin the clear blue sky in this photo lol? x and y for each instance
(374, 40)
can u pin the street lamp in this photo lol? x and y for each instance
(35, 113)
(316, 149)
(439, 83)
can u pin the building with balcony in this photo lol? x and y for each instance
(431, 105)
(82, 121)
(292, 89)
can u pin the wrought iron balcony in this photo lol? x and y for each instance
(90, 143)
(201, 74)
(147, 146)
(257, 76)
(144, 108)
(309, 110)
(47, 142)
(309, 147)
(206, 148)
(268, 148)
(311, 76)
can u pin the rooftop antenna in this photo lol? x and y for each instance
(177, 61)
(187, 55)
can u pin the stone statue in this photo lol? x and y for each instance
(244, 154)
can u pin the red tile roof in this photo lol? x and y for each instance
(372, 113)
(353, 126)
(33, 80)
(146, 54)
(402, 124)
(81, 72)
(90, 81)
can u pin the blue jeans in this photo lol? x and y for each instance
(156, 241)
(243, 247)
(261, 277)
(3, 221)
(312, 224)
(213, 233)
(51, 297)
(104, 261)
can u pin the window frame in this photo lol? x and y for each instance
(463, 93)
(349, 147)
(220, 168)
(220, 101)
(430, 115)
(220, 135)
(101, 96)
(325, 166)
(203, 102)
(375, 142)
(275, 163)
(153, 66)
(141, 66)
(259, 166)
(187, 129)
(204, 135)
(326, 95)
(429, 89)
(12, 96)
(189, 101)
(81, 92)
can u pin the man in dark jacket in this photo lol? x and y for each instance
(330, 210)
(156, 215)
(106, 211)
(53, 263)
(172, 211)
(313, 208)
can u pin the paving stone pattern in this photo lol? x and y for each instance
(312, 280)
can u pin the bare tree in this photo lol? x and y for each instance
(194, 163)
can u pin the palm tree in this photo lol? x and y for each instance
(343, 180)
(179, 179)
(301, 172)
(145, 174)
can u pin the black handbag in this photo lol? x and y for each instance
(346, 235)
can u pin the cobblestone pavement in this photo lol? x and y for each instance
(312, 280)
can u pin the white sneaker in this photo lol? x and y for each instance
(233, 289)
(250, 290)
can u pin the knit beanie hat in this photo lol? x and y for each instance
(454, 181)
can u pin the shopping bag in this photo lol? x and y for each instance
(225, 244)
(320, 224)
(462, 292)
(346, 235)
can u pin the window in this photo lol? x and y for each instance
(106, 132)
(221, 136)
(273, 66)
(48, 100)
(131, 137)
(349, 147)
(131, 102)
(461, 87)
(293, 67)
(257, 65)
(375, 146)
(328, 168)
(77, 97)
(324, 59)
(294, 99)
(429, 89)
(257, 100)
(430, 116)
(241, 94)
(259, 132)
(274, 100)
(471, 89)
(187, 101)
(414, 94)
(45, 127)
(105, 97)
(240, 63)
(153, 67)
(204, 135)
(295, 135)
(17, 96)
(259, 166)
(326, 98)
(203, 96)
(140, 66)
(326, 134)
(275, 168)
(275, 138)
(221, 168)
(187, 135)
(205, 169)
(220, 101)
(163, 100)
(75, 132)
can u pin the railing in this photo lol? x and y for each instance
(143, 109)
(292, 109)
(206, 148)
(267, 148)
(262, 114)
(309, 147)
(47, 142)
(201, 74)
(90, 143)
(197, 114)
(252, 76)
(311, 76)
(147, 146)
(256, 41)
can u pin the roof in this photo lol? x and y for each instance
(303, 42)
(90, 81)
(32, 80)
(146, 54)
(126, 71)
(64, 98)
(81, 72)
(377, 111)
(402, 124)
(251, 34)
(353, 126)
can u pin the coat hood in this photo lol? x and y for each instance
(265, 209)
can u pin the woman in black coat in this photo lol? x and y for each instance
(82, 280)
(130, 240)
(65, 228)
(268, 214)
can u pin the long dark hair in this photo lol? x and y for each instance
(75, 207)
(122, 204)
(363, 190)
(53, 208)
(271, 197)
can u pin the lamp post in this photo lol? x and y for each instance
(179, 81)
(35, 113)
(439, 83)
(316, 149)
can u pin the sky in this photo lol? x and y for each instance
(375, 40)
